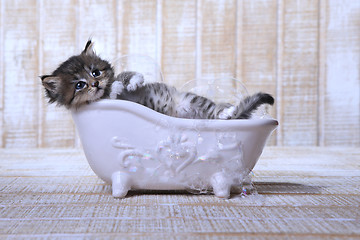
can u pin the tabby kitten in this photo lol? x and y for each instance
(86, 78)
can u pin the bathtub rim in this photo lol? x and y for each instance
(153, 116)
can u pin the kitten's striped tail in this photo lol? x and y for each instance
(251, 103)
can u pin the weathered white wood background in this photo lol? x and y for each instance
(305, 52)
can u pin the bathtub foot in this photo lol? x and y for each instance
(120, 184)
(221, 185)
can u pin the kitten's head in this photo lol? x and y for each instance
(79, 80)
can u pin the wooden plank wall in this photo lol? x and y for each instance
(306, 53)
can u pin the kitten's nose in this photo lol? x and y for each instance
(95, 84)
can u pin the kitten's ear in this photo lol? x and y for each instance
(50, 83)
(89, 48)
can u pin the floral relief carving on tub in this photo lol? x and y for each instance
(176, 153)
(172, 156)
(129, 158)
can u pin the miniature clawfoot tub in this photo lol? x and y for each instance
(134, 147)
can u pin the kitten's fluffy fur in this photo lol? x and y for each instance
(86, 78)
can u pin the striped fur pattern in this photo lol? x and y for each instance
(167, 100)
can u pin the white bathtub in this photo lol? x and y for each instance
(134, 147)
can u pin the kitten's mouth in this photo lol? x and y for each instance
(98, 89)
(96, 85)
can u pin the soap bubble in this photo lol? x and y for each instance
(225, 89)
(139, 63)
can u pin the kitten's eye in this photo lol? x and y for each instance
(80, 85)
(96, 73)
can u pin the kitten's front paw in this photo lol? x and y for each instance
(116, 89)
(227, 113)
(135, 82)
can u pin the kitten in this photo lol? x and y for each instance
(85, 78)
